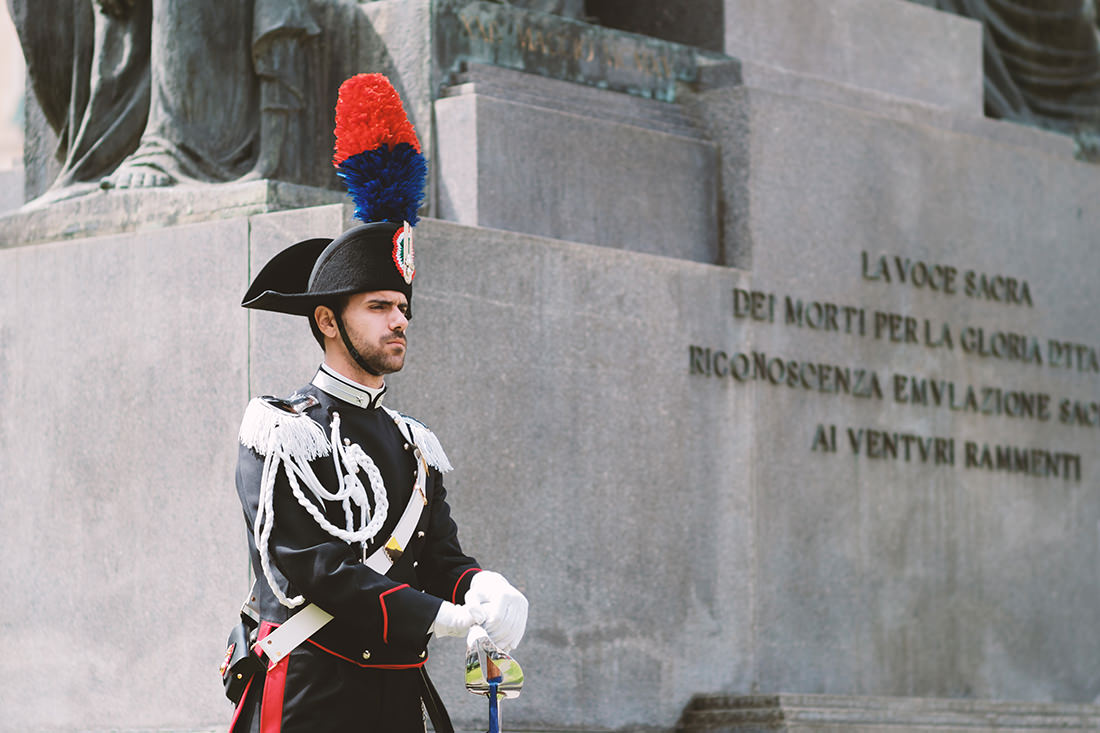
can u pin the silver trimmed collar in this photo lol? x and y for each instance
(342, 388)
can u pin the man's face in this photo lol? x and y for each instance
(376, 323)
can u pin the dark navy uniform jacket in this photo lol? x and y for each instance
(380, 622)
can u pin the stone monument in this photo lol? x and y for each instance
(771, 360)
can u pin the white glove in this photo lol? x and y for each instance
(452, 620)
(504, 607)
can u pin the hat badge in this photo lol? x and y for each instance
(403, 255)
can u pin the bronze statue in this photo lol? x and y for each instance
(1042, 60)
(155, 92)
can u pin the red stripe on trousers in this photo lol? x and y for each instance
(271, 709)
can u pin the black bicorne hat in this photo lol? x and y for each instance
(378, 156)
(315, 272)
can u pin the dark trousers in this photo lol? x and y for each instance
(312, 691)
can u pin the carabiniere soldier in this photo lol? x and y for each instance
(356, 556)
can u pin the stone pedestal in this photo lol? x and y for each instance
(519, 152)
(786, 382)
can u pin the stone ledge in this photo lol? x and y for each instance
(91, 211)
(745, 714)
(765, 77)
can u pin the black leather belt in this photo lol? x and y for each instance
(437, 713)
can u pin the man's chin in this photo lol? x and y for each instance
(394, 365)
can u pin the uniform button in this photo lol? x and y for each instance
(415, 564)
(347, 441)
(423, 654)
(418, 534)
(366, 654)
(406, 446)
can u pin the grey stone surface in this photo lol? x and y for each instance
(100, 212)
(865, 144)
(533, 155)
(837, 713)
(718, 73)
(11, 189)
(891, 46)
(123, 363)
(902, 578)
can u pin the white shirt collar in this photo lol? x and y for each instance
(332, 383)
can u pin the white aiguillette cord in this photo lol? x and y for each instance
(302, 625)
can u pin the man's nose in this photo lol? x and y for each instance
(399, 320)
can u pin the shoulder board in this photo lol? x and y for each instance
(271, 423)
(424, 439)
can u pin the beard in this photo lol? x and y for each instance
(381, 358)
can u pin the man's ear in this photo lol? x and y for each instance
(326, 321)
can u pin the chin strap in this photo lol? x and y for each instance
(352, 351)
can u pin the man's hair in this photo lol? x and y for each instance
(337, 304)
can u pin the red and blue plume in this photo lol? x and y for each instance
(377, 153)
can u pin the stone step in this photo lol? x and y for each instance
(751, 713)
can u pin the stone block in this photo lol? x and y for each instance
(543, 157)
(866, 146)
(890, 46)
(719, 73)
(904, 576)
(123, 368)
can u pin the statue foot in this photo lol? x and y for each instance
(137, 175)
(267, 164)
(255, 175)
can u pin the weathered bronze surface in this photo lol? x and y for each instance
(557, 47)
(154, 93)
(1042, 60)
